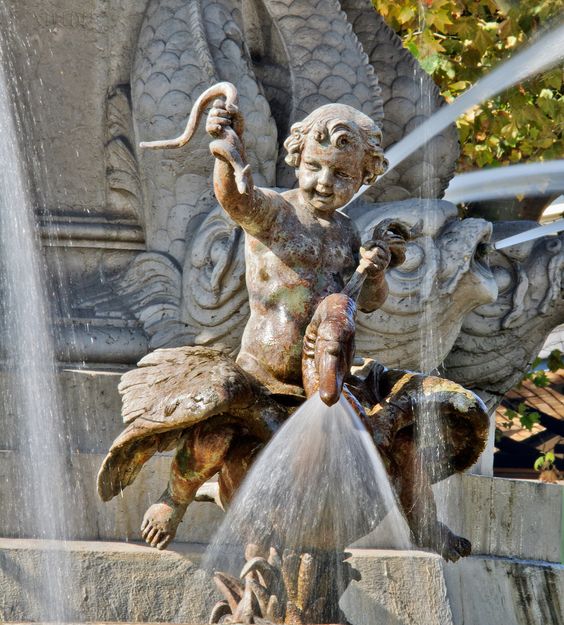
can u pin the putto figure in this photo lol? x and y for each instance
(298, 248)
(306, 271)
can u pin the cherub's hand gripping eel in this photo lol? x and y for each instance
(224, 148)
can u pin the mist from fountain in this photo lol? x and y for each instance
(319, 484)
(31, 393)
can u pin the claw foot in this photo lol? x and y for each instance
(447, 544)
(161, 521)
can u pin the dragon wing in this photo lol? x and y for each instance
(170, 390)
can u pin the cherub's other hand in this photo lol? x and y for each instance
(221, 116)
(395, 235)
(396, 245)
(375, 256)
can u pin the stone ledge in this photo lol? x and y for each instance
(512, 518)
(504, 517)
(484, 590)
(105, 582)
(125, 582)
(501, 517)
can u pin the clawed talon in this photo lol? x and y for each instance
(161, 522)
(447, 544)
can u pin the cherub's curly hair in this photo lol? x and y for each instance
(342, 126)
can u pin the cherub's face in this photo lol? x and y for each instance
(329, 177)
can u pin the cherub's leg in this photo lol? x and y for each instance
(236, 465)
(199, 456)
(416, 497)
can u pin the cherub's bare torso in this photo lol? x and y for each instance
(294, 261)
(299, 249)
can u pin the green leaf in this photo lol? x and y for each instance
(412, 47)
(555, 361)
(439, 20)
(430, 64)
(540, 379)
(529, 419)
(549, 457)
(539, 463)
(406, 14)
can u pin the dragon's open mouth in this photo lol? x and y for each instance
(480, 260)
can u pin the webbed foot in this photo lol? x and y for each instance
(161, 521)
(447, 544)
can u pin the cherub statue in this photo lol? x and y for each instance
(300, 252)
(298, 247)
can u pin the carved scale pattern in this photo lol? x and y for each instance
(180, 45)
(327, 63)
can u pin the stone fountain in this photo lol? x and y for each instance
(146, 258)
(299, 340)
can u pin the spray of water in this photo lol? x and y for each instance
(528, 179)
(29, 363)
(319, 484)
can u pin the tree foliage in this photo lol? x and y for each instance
(458, 41)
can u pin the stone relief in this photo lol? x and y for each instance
(122, 170)
(285, 59)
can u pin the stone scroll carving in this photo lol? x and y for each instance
(499, 340)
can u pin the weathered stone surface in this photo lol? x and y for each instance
(502, 590)
(501, 517)
(514, 518)
(397, 588)
(119, 519)
(105, 582)
(128, 582)
(91, 407)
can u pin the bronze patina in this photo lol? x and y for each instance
(306, 274)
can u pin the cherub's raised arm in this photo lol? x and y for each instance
(252, 208)
(233, 184)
